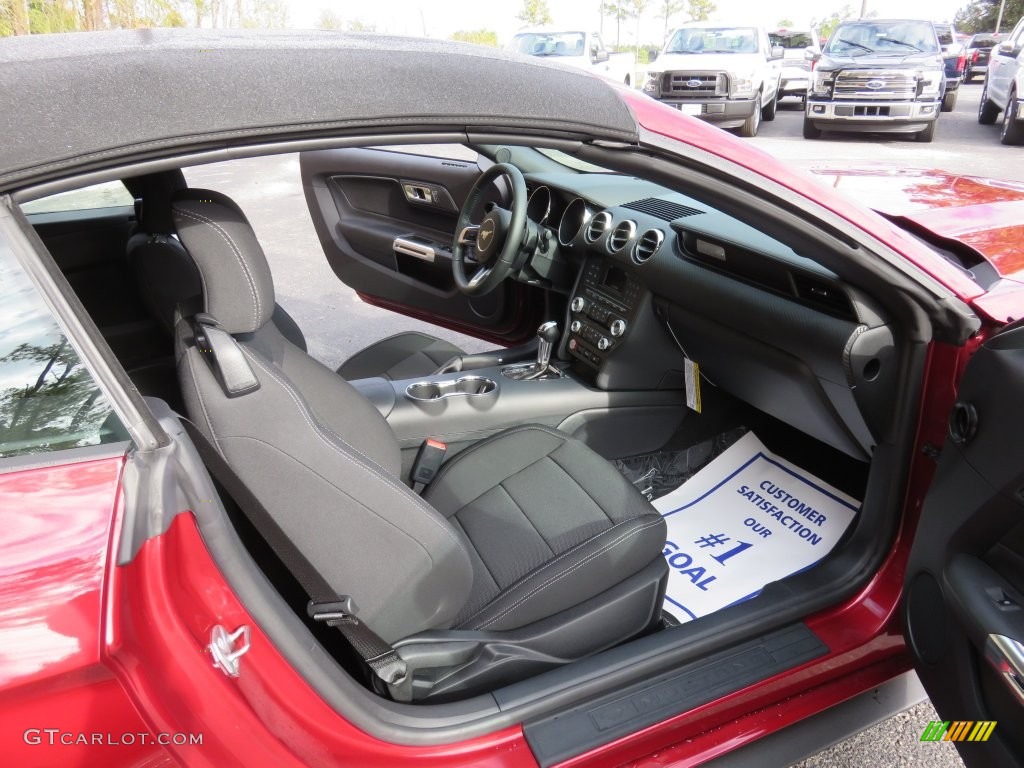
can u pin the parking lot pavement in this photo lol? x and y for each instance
(961, 145)
(337, 323)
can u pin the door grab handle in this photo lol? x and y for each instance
(1007, 656)
(416, 250)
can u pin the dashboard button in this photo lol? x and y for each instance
(578, 304)
(618, 327)
(603, 343)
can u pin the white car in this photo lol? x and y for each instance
(579, 49)
(796, 67)
(1004, 87)
(727, 74)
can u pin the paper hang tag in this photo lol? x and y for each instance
(691, 371)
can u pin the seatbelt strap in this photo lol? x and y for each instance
(325, 604)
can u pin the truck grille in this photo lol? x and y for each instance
(875, 84)
(695, 84)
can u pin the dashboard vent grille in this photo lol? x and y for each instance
(663, 209)
(822, 294)
(648, 245)
(622, 234)
(597, 226)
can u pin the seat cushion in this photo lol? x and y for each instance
(402, 356)
(550, 523)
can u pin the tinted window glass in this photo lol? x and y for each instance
(858, 38)
(983, 42)
(48, 400)
(945, 34)
(713, 40)
(550, 44)
(791, 40)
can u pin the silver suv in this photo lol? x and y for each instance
(1004, 87)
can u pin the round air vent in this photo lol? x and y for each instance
(621, 235)
(648, 245)
(598, 226)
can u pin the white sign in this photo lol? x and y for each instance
(748, 518)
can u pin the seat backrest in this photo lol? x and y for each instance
(315, 452)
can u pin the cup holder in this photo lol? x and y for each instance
(432, 391)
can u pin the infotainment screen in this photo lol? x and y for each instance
(615, 279)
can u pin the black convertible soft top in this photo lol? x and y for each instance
(87, 100)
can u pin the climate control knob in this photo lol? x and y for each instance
(578, 304)
(603, 343)
(618, 327)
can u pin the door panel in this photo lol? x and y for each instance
(386, 220)
(964, 591)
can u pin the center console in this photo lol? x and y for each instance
(603, 309)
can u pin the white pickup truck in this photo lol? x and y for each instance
(584, 50)
(725, 74)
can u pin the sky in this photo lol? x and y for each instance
(439, 18)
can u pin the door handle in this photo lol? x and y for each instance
(1007, 656)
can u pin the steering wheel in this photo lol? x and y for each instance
(497, 238)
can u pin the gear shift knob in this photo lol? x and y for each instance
(547, 334)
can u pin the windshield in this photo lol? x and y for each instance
(791, 40)
(859, 38)
(986, 41)
(713, 40)
(549, 43)
(945, 33)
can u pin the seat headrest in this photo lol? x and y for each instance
(237, 287)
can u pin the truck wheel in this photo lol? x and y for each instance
(626, 81)
(768, 112)
(810, 131)
(987, 111)
(751, 124)
(1013, 131)
(928, 133)
(949, 101)
(968, 77)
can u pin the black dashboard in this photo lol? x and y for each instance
(660, 277)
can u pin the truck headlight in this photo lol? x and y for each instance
(822, 83)
(652, 83)
(931, 81)
(743, 86)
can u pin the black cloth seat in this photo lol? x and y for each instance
(167, 277)
(528, 550)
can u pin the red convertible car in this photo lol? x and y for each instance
(218, 551)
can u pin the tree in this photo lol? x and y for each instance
(637, 8)
(265, 14)
(328, 19)
(981, 16)
(358, 25)
(827, 25)
(620, 12)
(668, 9)
(535, 13)
(700, 10)
(785, 23)
(477, 36)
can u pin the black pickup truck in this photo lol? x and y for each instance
(877, 75)
(954, 58)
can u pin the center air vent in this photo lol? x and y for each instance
(648, 245)
(621, 235)
(598, 226)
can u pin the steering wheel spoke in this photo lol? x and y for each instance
(496, 240)
(468, 234)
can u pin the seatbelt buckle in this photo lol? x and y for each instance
(341, 609)
(428, 461)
